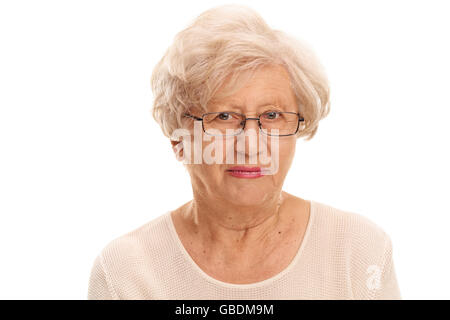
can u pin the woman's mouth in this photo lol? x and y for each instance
(245, 172)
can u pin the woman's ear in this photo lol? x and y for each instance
(178, 149)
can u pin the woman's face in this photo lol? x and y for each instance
(269, 88)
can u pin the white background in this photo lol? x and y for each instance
(83, 162)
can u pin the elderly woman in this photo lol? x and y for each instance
(241, 236)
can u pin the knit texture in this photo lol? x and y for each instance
(343, 255)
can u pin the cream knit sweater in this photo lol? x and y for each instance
(343, 255)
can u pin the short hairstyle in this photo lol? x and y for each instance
(224, 41)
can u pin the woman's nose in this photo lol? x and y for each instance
(252, 123)
(249, 140)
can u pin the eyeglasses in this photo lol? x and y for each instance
(272, 123)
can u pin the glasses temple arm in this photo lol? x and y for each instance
(193, 117)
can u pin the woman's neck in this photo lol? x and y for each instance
(225, 225)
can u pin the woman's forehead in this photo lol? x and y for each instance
(266, 86)
(255, 101)
(265, 78)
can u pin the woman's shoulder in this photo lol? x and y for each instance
(349, 232)
(125, 262)
(346, 222)
(358, 246)
(139, 242)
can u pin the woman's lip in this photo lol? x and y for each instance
(245, 172)
(248, 169)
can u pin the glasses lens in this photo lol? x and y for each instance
(279, 123)
(223, 123)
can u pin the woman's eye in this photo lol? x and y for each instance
(224, 116)
(271, 115)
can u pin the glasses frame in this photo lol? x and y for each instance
(300, 119)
